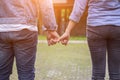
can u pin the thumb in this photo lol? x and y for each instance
(61, 38)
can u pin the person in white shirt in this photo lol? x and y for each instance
(18, 35)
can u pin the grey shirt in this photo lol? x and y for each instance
(100, 12)
(46, 9)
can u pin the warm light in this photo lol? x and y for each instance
(60, 1)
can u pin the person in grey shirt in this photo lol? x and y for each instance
(18, 35)
(103, 35)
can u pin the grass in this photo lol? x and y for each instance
(75, 53)
(42, 37)
(60, 62)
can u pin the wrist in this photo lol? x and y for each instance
(67, 31)
(50, 31)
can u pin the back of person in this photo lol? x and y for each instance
(103, 35)
(17, 11)
(25, 12)
(104, 12)
(19, 33)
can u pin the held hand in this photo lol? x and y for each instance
(64, 38)
(52, 37)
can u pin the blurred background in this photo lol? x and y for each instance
(63, 9)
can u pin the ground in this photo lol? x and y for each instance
(60, 62)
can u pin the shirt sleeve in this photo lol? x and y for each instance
(48, 15)
(78, 9)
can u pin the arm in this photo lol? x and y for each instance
(49, 21)
(48, 15)
(65, 37)
(78, 9)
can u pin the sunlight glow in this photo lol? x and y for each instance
(60, 1)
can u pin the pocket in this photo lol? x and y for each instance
(94, 33)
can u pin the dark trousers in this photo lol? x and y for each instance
(22, 46)
(104, 45)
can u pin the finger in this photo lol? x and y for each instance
(52, 42)
(64, 42)
(61, 39)
(48, 41)
(56, 39)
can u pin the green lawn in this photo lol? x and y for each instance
(60, 62)
(41, 37)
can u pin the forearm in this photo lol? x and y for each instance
(48, 15)
(78, 9)
(70, 26)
